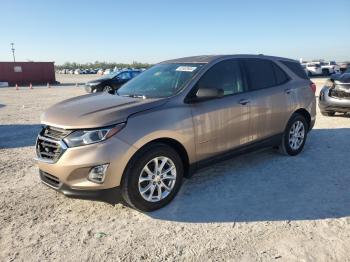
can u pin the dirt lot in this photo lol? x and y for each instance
(257, 207)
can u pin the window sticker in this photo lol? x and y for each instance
(186, 68)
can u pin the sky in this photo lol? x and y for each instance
(152, 31)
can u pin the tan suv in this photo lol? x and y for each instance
(170, 120)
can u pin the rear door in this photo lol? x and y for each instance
(221, 124)
(270, 97)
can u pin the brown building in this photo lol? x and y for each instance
(24, 73)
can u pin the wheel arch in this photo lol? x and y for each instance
(174, 144)
(304, 113)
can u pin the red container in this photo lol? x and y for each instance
(24, 73)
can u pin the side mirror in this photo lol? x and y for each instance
(208, 93)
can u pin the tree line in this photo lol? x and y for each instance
(103, 65)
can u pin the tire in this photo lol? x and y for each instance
(325, 72)
(131, 186)
(107, 89)
(329, 113)
(287, 147)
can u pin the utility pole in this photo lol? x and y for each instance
(13, 52)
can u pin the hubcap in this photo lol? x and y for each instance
(296, 135)
(157, 179)
(107, 89)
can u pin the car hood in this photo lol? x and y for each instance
(96, 110)
(99, 80)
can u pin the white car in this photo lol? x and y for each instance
(314, 69)
(108, 71)
(329, 68)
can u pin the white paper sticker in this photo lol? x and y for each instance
(186, 68)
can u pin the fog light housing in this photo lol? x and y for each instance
(97, 173)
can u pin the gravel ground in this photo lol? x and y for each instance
(257, 207)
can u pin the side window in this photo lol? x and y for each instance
(296, 68)
(225, 75)
(124, 76)
(260, 73)
(280, 76)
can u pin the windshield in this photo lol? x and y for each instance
(347, 70)
(112, 74)
(162, 80)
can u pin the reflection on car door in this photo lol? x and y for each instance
(270, 94)
(221, 124)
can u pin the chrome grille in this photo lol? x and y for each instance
(54, 132)
(49, 145)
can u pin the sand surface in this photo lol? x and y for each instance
(257, 207)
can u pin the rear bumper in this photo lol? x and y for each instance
(110, 195)
(328, 103)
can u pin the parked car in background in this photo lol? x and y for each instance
(110, 82)
(344, 67)
(172, 119)
(100, 71)
(329, 68)
(335, 95)
(314, 69)
(108, 71)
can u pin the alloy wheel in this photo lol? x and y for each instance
(157, 179)
(296, 135)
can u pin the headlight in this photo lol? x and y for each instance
(86, 137)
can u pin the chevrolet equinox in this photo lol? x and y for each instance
(170, 120)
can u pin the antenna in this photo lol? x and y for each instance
(13, 52)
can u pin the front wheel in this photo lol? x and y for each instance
(153, 178)
(294, 136)
(107, 89)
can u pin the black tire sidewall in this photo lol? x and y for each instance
(288, 149)
(130, 191)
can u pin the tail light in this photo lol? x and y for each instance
(313, 87)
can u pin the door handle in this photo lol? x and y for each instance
(244, 101)
(288, 90)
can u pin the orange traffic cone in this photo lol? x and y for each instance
(17, 88)
(30, 86)
(48, 85)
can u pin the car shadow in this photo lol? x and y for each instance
(15, 136)
(1, 105)
(266, 186)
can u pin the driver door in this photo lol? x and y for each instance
(121, 79)
(222, 124)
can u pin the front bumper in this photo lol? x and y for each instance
(111, 195)
(332, 104)
(91, 89)
(73, 167)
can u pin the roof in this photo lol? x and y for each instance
(211, 58)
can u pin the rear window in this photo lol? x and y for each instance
(280, 76)
(263, 73)
(296, 68)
